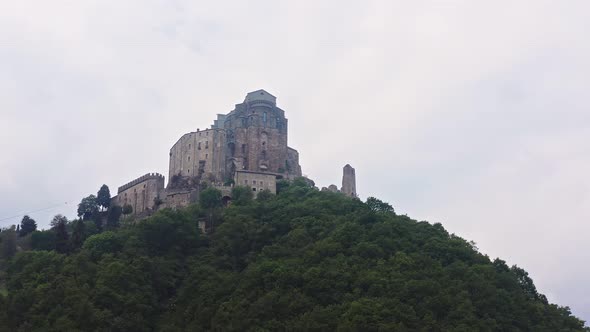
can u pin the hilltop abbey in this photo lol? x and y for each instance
(246, 147)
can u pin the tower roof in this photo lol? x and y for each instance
(260, 95)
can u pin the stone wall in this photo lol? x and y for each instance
(293, 167)
(199, 154)
(181, 198)
(349, 181)
(258, 181)
(142, 193)
(257, 132)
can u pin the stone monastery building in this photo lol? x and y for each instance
(246, 147)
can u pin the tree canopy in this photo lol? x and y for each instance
(88, 207)
(301, 260)
(103, 197)
(27, 226)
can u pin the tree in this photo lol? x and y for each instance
(127, 209)
(210, 198)
(377, 205)
(43, 240)
(9, 242)
(88, 207)
(27, 225)
(61, 234)
(305, 260)
(78, 234)
(103, 197)
(282, 185)
(264, 195)
(57, 219)
(113, 216)
(241, 195)
(98, 219)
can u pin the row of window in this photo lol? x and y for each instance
(199, 145)
(253, 182)
(245, 121)
(206, 157)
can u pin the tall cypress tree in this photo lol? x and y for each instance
(9, 242)
(78, 234)
(61, 237)
(103, 197)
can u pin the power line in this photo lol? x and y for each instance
(34, 211)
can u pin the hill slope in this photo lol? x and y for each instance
(303, 260)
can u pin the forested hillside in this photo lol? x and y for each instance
(303, 260)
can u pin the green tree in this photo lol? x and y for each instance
(98, 220)
(210, 201)
(378, 205)
(127, 210)
(264, 195)
(103, 243)
(8, 242)
(113, 216)
(210, 198)
(57, 220)
(88, 207)
(304, 260)
(241, 195)
(59, 224)
(103, 197)
(78, 234)
(282, 185)
(43, 240)
(27, 225)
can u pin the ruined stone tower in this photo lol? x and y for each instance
(349, 181)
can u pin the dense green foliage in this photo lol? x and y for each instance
(27, 226)
(301, 260)
(103, 197)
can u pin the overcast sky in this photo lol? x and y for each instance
(470, 113)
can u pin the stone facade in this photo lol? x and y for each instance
(349, 181)
(199, 154)
(143, 194)
(256, 137)
(258, 181)
(252, 137)
(246, 147)
(176, 198)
